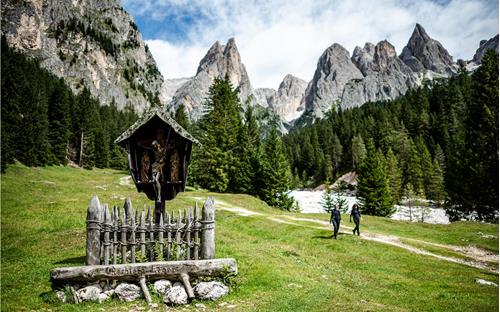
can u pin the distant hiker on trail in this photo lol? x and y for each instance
(335, 220)
(356, 215)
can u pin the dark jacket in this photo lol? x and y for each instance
(335, 216)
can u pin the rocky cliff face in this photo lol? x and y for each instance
(333, 72)
(375, 72)
(385, 76)
(220, 60)
(287, 102)
(484, 46)
(90, 43)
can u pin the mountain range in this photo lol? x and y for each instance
(96, 44)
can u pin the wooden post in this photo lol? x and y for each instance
(132, 237)
(107, 228)
(124, 237)
(142, 233)
(188, 234)
(208, 230)
(151, 239)
(115, 234)
(196, 229)
(185, 280)
(145, 291)
(128, 210)
(178, 239)
(93, 232)
(169, 237)
(160, 237)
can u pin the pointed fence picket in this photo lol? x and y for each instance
(189, 235)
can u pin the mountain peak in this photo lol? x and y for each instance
(220, 61)
(484, 46)
(419, 31)
(424, 53)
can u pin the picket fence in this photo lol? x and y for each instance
(127, 235)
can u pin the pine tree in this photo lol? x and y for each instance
(216, 163)
(276, 174)
(358, 151)
(59, 123)
(328, 200)
(181, 117)
(337, 153)
(373, 190)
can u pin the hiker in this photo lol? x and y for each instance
(335, 220)
(356, 215)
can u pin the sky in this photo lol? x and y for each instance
(280, 37)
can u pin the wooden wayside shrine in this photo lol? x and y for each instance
(159, 150)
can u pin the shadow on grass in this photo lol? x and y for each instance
(324, 237)
(75, 260)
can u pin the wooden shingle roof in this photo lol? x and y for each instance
(161, 113)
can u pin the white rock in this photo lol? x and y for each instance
(161, 286)
(61, 296)
(103, 297)
(110, 292)
(128, 292)
(89, 293)
(200, 306)
(210, 290)
(176, 295)
(485, 282)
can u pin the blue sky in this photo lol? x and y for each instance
(279, 37)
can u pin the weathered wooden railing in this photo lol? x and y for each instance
(129, 236)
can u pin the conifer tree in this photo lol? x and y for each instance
(59, 124)
(373, 191)
(181, 117)
(219, 129)
(327, 199)
(358, 151)
(276, 174)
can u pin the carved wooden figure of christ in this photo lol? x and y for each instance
(157, 168)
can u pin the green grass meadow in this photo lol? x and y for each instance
(282, 267)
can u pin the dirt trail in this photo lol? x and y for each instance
(477, 258)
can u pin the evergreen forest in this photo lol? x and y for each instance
(44, 123)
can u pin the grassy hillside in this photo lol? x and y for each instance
(287, 262)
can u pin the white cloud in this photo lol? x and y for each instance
(176, 61)
(288, 36)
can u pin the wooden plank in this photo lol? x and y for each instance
(151, 270)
